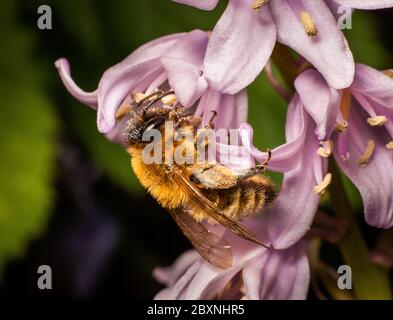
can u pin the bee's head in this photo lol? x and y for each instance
(139, 128)
(135, 126)
(144, 119)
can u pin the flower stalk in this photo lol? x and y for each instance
(287, 65)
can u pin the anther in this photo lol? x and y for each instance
(138, 96)
(341, 126)
(258, 4)
(377, 121)
(169, 100)
(308, 24)
(321, 188)
(368, 153)
(390, 145)
(326, 148)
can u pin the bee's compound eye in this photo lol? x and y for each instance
(154, 123)
(150, 127)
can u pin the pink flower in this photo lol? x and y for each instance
(356, 126)
(174, 61)
(243, 39)
(257, 273)
(321, 122)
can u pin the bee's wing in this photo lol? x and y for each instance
(198, 199)
(211, 247)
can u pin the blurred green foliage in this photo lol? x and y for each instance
(366, 43)
(28, 134)
(95, 35)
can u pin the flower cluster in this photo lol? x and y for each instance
(340, 110)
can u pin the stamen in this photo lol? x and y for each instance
(377, 121)
(345, 106)
(390, 145)
(320, 189)
(364, 159)
(341, 126)
(257, 4)
(169, 100)
(138, 96)
(308, 24)
(326, 148)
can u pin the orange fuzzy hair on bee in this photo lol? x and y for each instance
(156, 180)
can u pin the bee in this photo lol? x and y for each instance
(194, 191)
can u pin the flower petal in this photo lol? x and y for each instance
(171, 274)
(88, 98)
(279, 275)
(200, 4)
(291, 214)
(366, 4)
(319, 100)
(183, 63)
(231, 110)
(179, 288)
(328, 51)
(334, 8)
(240, 45)
(209, 281)
(287, 156)
(374, 180)
(293, 211)
(373, 84)
(118, 81)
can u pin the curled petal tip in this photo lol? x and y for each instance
(61, 61)
(103, 125)
(88, 98)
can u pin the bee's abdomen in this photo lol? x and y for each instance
(246, 198)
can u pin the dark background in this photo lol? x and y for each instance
(68, 198)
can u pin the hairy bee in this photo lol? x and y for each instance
(194, 191)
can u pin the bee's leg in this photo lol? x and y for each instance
(183, 121)
(258, 169)
(157, 112)
(209, 176)
(205, 133)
